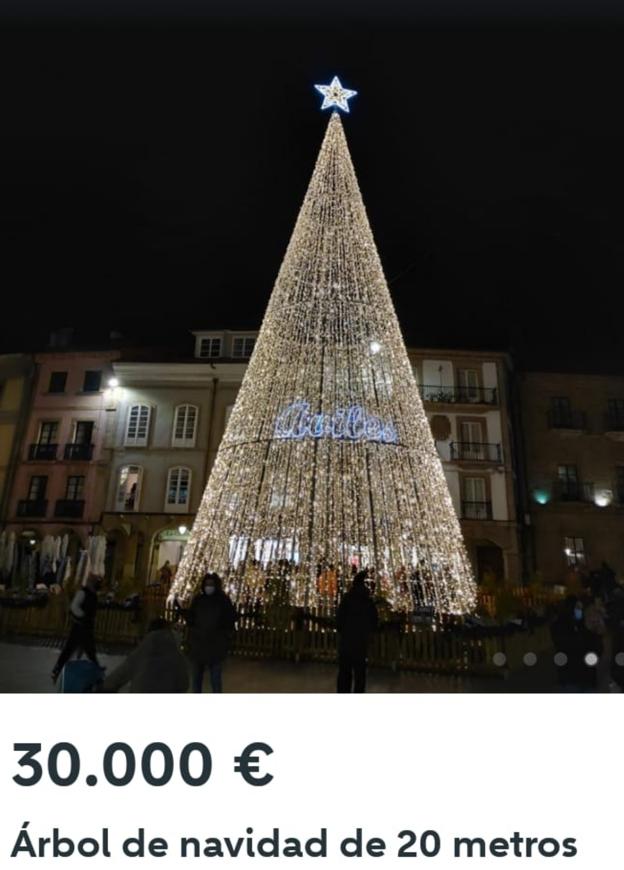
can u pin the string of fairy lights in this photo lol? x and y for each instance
(328, 464)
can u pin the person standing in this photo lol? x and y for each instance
(356, 620)
(572, 637)
(82, 632)
(211, 619)
(164, 576)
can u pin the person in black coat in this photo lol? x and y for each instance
(211, 619)
(81, 637)
(356, 620)
(575, 640)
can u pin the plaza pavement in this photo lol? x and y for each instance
(26, 668)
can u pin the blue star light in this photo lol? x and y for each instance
(335, 95)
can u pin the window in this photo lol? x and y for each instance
(75, 488)
(57, 383)
(209, 348)
(83, 432)
(37, 487)
(475, 503)
(471, 443)
(184, 426)
(48, 432)
(137, 429)
(615, 413)
(567, 476)
(574, 549)
(178, 489)
(619, 483)
(92, 382)
(468, 381)
(129, 488)
(242, 346)
(560, 410)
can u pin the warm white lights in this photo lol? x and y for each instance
(113, 383)
(182, 530)
(335, 95)
(327, 464)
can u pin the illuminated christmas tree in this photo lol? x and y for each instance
(328, 463)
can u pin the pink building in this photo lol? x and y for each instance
(60, 481)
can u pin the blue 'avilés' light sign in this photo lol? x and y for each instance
(348, 424)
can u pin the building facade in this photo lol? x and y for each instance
(16, 374)
(574, 437)
(467, 400)
(169, 420)
(123, 443)
(61, 469)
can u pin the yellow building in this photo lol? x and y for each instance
(16, 374)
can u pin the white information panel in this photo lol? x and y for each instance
(410, 780)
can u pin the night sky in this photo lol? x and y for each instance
(153, 164)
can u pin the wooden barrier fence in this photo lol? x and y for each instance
(292, 636)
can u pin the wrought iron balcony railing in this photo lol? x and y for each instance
(476, 451)
(32, 507)
(43, 451)
(81, 452)
(574, 490)
(476, 510)
(567, 420)
(459, 395)
(69, 508)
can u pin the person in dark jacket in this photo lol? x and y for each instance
(211, 619)
(356, 620)
(156, 665)
(82, 632)
(572, 637)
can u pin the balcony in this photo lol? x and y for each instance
(69, 508)
(46, 452)
(476, 451)
(476, 510)
(28, 507)
(459, 395)
(79, 452)
(614, 425)
(574, 490)
(572, 421)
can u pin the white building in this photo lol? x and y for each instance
(467, 401)
(170, 417)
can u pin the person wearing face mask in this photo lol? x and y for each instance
(211, 619)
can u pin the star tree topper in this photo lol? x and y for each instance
(335, 95)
